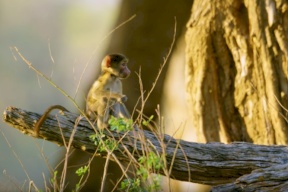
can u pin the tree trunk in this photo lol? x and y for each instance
(237, 70)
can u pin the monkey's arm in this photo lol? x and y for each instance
(120, 110)
(44, 117)
(109, 96)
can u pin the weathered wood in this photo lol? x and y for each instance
(274, 178)
(211, 163)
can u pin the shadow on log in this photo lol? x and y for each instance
(237, 166)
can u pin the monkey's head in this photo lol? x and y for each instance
(116, 64)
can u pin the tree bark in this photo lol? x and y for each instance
(237, 70)
(212, 163)
(274, 178)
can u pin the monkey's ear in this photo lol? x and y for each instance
(107, 61)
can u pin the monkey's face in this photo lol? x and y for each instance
(116, 64)
(124, 71)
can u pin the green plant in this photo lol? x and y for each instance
(131, 185)
(152, 161)
(103, 143)
(81, 172)
(147, 163)
(120, 124)
(147, 122)
(53, 179)
(116, 124)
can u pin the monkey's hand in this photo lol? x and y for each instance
(124, 99)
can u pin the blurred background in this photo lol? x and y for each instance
(73, 31)
(60, 38)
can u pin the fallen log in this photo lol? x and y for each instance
(238, 165)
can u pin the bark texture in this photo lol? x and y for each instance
(256, 166)
(237, 70)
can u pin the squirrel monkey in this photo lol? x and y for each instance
(105, 97)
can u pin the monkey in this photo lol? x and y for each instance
(105, 97)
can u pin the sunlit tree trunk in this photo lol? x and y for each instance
(237, 70)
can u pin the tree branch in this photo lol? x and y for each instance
(211, 163)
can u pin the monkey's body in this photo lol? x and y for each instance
(101, 101)
(105, 97)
